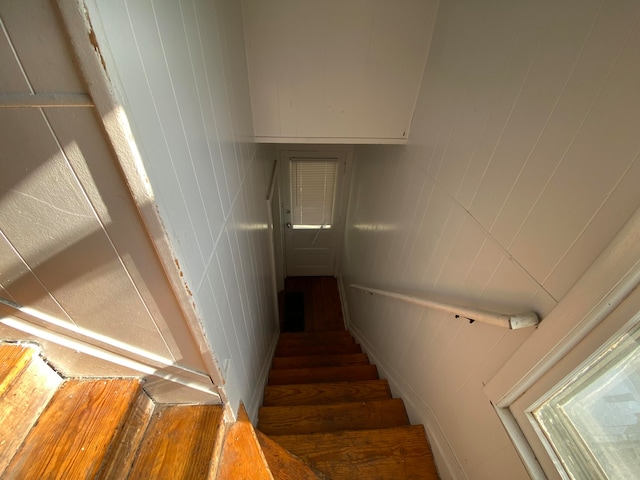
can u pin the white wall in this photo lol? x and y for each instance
(182, 72)
(72, 246)
(521, 166)
(330, 71)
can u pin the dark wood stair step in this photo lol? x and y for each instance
(179, 442)
(390, 453)
(288, 376)
(326, 393)
(301, 419)
(303, 341)
(76, 431)
(309, 361)
(321, 349)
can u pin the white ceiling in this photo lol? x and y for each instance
(334, 71)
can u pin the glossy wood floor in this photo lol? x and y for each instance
(322, 307)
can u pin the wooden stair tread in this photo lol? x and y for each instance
(28, 384)
(322, 374)
(14, 359)
(309, 361)
(324, 393)
(315, 339)
(75, 431)
(302, 419)
(283, 465)
(122, 454)
(390, 453)
(325, 334)
(241, 456)
(321, 349)
(179, 442)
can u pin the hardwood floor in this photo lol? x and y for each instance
(322, 307)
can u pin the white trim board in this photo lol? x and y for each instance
(332, 140)
(258, 394)
(76, 355)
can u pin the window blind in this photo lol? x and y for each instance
(312, 190)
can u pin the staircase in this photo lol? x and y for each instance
(326, 415)
(326, 404)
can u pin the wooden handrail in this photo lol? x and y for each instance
(510, 321)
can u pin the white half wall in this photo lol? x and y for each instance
(521, 166)
(180, 67)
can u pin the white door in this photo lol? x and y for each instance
(313, 197)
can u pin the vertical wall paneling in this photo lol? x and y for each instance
(180, 68)
(521, 166)
(72, 246)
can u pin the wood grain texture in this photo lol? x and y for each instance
(282, 463)
(179, 443)
(321, 349)
(14, 359)
(76, 430)
(303, 419)
(121, 456)
(324, 393)
(390, 453)
(308, 361)
(242, 457)
(25, 390)
(323, 374)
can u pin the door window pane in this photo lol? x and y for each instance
(312, 191)
(591, 423)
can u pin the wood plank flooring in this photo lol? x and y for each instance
(27, 384)
(91, 429)
(75, 432)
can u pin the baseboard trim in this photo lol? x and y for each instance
(256, 399)
(73, 354)
(449, 467)
(343, 302)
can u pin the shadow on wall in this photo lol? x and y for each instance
(73, 246)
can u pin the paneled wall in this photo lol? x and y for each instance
(183, 78)
(521, 166)
(72, 247)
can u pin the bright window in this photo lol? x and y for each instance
(312, 193)
(590, 423)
